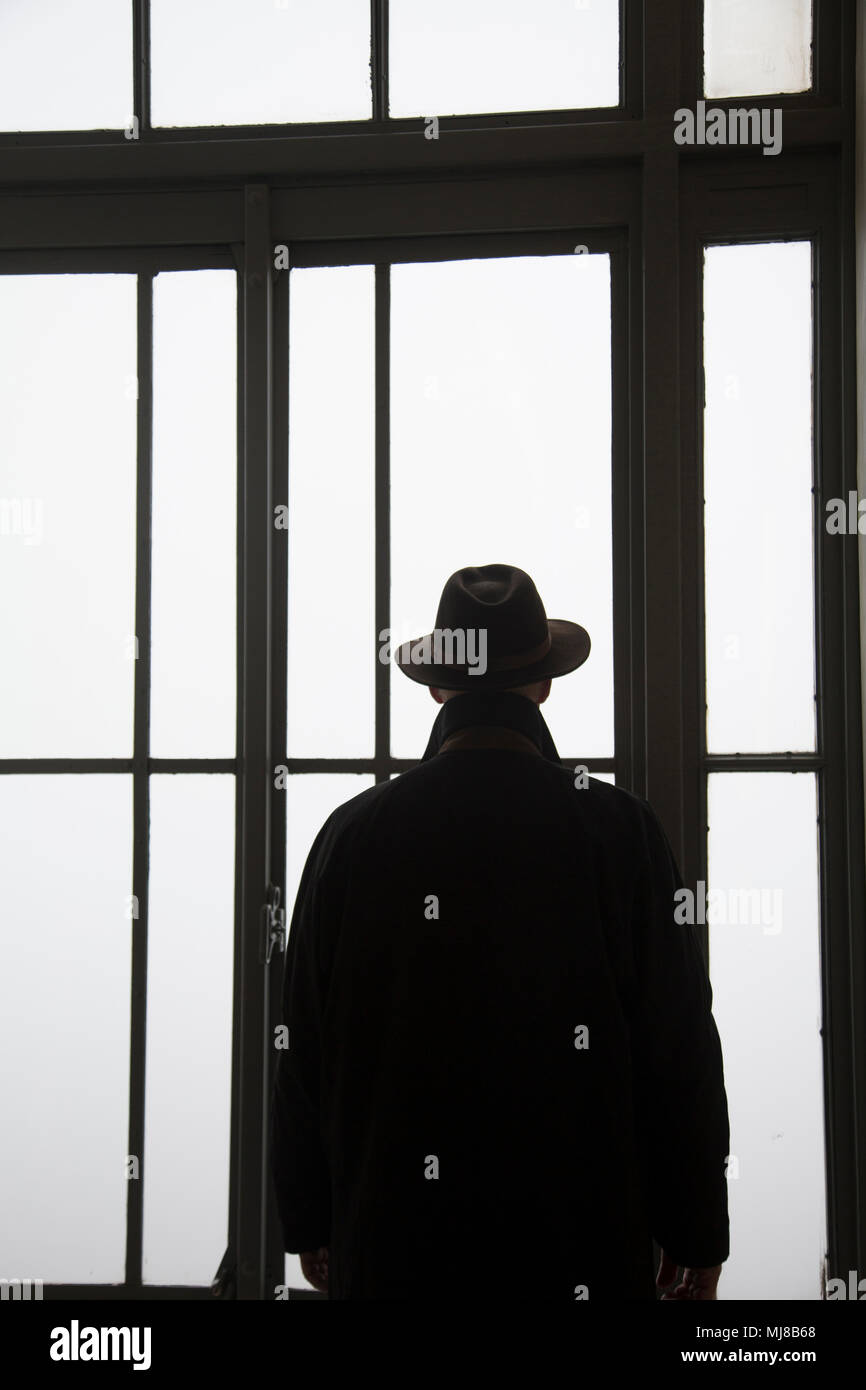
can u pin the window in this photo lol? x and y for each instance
(763, 890)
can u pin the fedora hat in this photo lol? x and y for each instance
(492, 633)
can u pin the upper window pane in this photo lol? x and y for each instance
(194, 620)
(331, 523)
(68, 366)
(219, 62)
(757, 46)
(758, 500)
(464, 56)
(65, 66)
(501, 454)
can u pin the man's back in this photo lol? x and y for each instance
(495, 1026)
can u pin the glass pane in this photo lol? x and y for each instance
(501, 399)
(757, 46)
(312, 798)
(218, 62)
(65, 958)
(52, 77)
(763, 915)
(189, 1027)
(758, 498)
(67, 514)
(502, 55)
(331, 668)
(194, 621)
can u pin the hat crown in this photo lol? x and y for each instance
(500, 599)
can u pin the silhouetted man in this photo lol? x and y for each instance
(503, 1075)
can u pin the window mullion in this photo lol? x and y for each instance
(249, 1183)
(141, 781)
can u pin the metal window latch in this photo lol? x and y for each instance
(273, 924)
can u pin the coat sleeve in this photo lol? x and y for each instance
(298, 1160)
(681, 1105)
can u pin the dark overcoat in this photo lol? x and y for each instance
(503, 1076)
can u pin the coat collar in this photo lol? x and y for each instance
(499, 708)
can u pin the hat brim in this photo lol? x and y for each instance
(569, 648)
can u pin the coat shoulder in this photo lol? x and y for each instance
(345, 823)
(603, 808)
